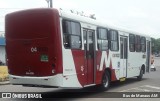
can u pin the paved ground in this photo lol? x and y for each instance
(150, 83)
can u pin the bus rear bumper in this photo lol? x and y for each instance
(51, 81)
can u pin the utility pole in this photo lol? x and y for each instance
(50, 5)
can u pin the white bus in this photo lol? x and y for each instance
(48, 47)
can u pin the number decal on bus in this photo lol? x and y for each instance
(33, 49)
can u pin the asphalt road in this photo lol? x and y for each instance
(150, 83)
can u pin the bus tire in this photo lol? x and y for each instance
(105, 81)
(139, 78)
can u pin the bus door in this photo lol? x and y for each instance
(123, 56)
(89, 49)
(148, 56)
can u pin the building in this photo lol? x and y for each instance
(2, 34)
(2, 49)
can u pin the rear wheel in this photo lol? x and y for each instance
(139, 78)
(105, 81)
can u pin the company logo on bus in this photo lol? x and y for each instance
(29, 73)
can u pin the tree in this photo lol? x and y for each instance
(155, 45)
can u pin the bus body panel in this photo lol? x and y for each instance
(30, 43)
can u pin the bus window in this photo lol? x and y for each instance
(132, 43)
(102, 39)
(143, 44)
(138, 43)
(71, 34)
(113, 36)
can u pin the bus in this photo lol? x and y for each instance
(47, 47)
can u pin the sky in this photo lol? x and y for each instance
(141, 16)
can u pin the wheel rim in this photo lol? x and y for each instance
(105, 81)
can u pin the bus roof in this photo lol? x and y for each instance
(88, 20)
(72, 16)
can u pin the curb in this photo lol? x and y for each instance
(4, 83)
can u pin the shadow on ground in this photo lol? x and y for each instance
(89, 92)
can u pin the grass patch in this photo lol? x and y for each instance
(4, 76)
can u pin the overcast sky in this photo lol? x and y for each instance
(138, 15)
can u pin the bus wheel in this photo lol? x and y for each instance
(139, 78)
(105, 81)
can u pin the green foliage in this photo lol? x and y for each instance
(155, 45)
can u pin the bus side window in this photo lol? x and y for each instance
(138, 43)
(132, 42)
(113, 38)
(71, 34)
(143, 44)
(102, 39)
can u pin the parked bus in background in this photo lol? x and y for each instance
(48, 47)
